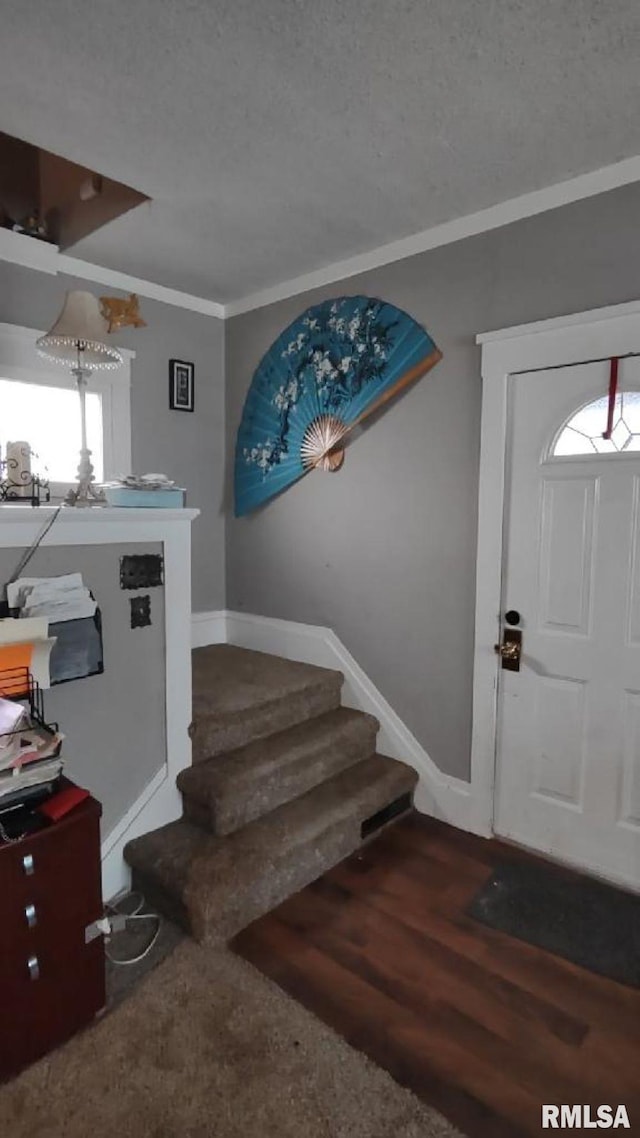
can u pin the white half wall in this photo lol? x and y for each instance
(160, 801)
(437, 794)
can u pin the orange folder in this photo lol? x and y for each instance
(16, 660)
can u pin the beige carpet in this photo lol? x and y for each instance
(205, 1047)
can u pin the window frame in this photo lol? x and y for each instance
(20, 362)
(548, 454)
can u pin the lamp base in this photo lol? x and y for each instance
(85, 493)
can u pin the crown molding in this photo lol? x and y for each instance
(45, 258)
(21, 250)
(28, 252)
(504, 213)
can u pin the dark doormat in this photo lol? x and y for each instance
(587, 923)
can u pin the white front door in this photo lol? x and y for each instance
(568, 753)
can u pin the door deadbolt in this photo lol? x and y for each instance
(510, 650)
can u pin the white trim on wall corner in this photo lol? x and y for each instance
(19, 249)
(438, 794)
(555, 323)
(22, 250)
(208, 628)
(32, 254)
(138, 819)
(494, 217)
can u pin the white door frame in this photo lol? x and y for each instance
(565, 340)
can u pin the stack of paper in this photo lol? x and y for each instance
(13, 717)
(56, 598)
(28, 752)
(16, 785)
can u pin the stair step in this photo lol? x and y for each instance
(227, 792)
(240, 695)
(216, 885)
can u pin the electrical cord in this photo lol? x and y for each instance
(29, 552)
(5, 611)
(114, 912)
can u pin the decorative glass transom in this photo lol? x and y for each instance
(582, 433)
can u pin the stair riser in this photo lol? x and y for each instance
(211, 736)
(218, 885)
(160, 900)
(225, 810)
(294, 873)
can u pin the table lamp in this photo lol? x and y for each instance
(79, 340)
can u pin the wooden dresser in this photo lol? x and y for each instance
(51, 981)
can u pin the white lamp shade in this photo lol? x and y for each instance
(80, 328)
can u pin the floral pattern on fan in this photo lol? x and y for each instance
(338, 352)
(335, 364)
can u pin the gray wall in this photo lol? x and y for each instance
(384, 551)
(187, 447)
(114, 724)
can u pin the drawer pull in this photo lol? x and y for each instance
(27, 864)
(34, 968)
(30, 914)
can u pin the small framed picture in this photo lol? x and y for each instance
(181, 385)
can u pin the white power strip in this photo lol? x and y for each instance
(114, 921)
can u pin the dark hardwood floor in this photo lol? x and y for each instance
(483, 1027)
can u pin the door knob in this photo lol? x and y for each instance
(510, 650)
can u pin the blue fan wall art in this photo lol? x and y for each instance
(333, 366)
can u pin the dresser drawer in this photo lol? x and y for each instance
(56, 869)
(51, 981)
(41, 1011)
(43, 932)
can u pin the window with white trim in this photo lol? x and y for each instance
(39, 403)
(49, 419)
(582, 432)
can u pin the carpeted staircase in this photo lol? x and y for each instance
(284, 784)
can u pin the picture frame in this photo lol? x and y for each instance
(181, 385)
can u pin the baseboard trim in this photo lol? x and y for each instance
(438, 794)
(158, 804)
(208, 628)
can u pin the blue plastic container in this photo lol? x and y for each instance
(171, 499)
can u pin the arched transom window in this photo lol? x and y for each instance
(582, 432)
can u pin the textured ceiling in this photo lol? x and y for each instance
(277, 136)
